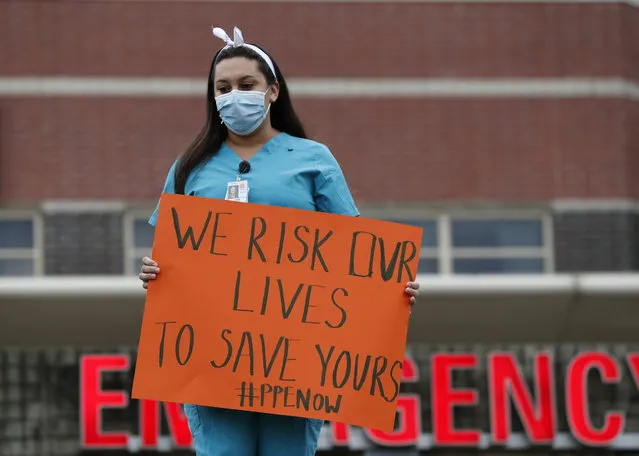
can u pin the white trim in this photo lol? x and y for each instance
(16, 214)
(131, 251)
(499, 252)
(462, 215)
(629, 2)
(611, 283)
(423, 210)
(595, 205)
(548, 242)
(493, 87)
(17, 254)
(330, 87)
(445, 242)
(516, 285)
(138, 252)
(88, 206)
(429, 252)
(127, 242)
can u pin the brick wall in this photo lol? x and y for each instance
(316, 39)
(512, 149)
(517, 150)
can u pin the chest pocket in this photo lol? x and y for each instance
(285, 188)
(208, 188)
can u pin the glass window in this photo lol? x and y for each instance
(140, 241)
(16, 267)
(136, 264)
(467, 245)
(498, 265)
(497, 233)
(19, 252)
(499, 245)
(429, 236)
(428, 261)
(428, 266)
(142, 234)
(16, 234)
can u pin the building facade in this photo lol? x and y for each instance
(525, 115)
(508, 131)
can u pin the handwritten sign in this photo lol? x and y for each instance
(277, 310)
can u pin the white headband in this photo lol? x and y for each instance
(238, 40)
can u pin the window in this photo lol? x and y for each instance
(138, 238)
(429, 254)
(498, 246)
(20, 244)
(479, 243)
(470, 242)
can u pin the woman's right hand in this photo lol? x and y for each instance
(149, 271)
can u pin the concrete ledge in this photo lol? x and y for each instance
(587, 308)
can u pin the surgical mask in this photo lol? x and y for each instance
(242, 111)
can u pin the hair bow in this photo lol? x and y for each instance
(238, 40)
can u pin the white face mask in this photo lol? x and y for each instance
(242, 111)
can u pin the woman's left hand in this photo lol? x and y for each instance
(412, 290)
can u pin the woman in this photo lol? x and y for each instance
(252, 136)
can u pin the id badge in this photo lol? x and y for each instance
(237, 191)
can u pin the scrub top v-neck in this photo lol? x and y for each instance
(286, 172)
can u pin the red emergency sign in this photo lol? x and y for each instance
(537, 409)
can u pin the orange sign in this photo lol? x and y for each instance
(277, 310)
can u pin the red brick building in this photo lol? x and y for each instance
(508, 130)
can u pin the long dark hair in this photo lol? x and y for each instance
(214, 133)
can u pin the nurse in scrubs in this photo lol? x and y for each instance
(253, 148)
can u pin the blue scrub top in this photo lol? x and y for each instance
(287, 172)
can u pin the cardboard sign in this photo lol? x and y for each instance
(276, 310)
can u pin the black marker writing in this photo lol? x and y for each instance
(378, 370)
(342, 320)
(182, 239)
(387, 270)
(403, 253)
(307, 304)
(351, 264)
(404, 261)
(273, 396)
(286, 309)
(280, 247)
(178, 343)
(215, 235)
(304, 253)
(346, 368)
(161, 349)
(229, 350)
(191, 343)
(260, 229)
(236, 296)
(317, 254)
(246, 350)
(256, 237)
(288, 298)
